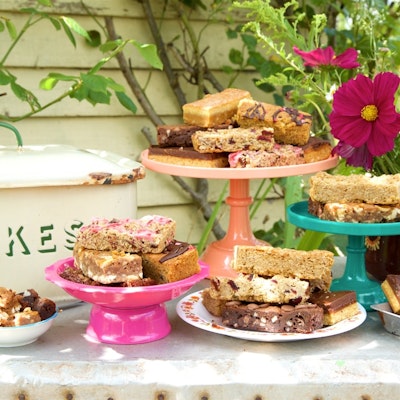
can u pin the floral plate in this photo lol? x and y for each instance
(192, 311)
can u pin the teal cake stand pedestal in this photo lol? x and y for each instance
(355, 277)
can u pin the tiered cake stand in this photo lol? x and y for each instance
(355, 277)
(218, 254)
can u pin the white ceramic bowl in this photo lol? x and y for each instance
(14, 336)
(390, 320)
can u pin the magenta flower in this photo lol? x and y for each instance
(364, 118)
(326, 56)
(356, 156)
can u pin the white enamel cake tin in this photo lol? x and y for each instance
(46, 193)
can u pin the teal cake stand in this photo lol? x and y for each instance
(355, 277)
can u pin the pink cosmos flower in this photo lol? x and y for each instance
(356, 156)
(364, 118)
(326, 56)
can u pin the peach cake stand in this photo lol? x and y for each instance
(218, 254)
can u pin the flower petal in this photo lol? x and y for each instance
(361, 157)
(353, 95)
(317, 57)
(347, 59)
(382, 138)
(355, 156)
(385, 86)
(353, 131)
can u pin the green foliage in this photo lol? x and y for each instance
(90, 86)
(370, 26)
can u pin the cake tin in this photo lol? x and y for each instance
(47, 192)
(390, 320)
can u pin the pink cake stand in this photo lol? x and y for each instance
(125, 315)
(218, 254)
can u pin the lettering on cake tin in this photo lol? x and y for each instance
(15, 240)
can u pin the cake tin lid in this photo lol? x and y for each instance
(61, 165)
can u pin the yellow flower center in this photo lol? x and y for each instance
(369, 112)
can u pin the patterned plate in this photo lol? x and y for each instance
(192, 311)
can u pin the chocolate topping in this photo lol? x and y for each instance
(334, 301)
(256, 112)
(297, 116)
(176, 135)
(174, 249)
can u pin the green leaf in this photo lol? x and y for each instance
(5, 79)
(96, 83)
(293, 194)
(274, 235)
(62, 77)
(20, 92)
(250, 41)
(231, 34)
(93, 88)
(110, 45)
(149, 53)
(48, 83)
(126, 101)
(2, 26)
(95, 38)
(265, 87)
(311, 240)
(53, 78)
(25, 95)
(79, 93)
(68, 32)
(235, 57)
(55, 22)
(95, 97)
(12, 30)
(114, 85)
(74, 26)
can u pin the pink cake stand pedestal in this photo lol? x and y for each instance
(125, 315)
(218, 255)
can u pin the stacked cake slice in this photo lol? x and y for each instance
(131, 252)
(231, 129)
(274, 291)
(355, 198)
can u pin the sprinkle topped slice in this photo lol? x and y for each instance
(149, 234)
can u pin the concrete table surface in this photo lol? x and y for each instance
(190, 363)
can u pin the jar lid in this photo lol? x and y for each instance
(61, 165)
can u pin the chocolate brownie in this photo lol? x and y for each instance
(302, 318)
